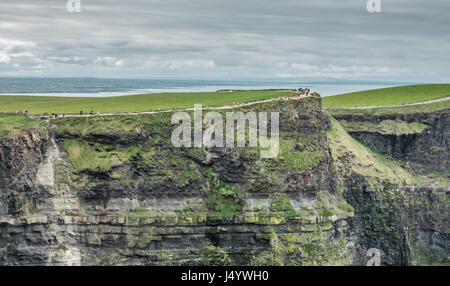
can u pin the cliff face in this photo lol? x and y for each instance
(114, 191)
(421, 139)
(409, 227)
(119, 193)
(19, 160)
(409, 220)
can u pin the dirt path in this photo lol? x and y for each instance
(229, 106)
(394, 105)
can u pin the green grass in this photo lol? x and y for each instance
(130, 103)
(214, 256)
(95, 157)
(112, 125)
(60, 172)
(413, 109)
(308, 157)
(282, 204)
(222, 201)
(396, 127)
(13, 125)
(388, 96)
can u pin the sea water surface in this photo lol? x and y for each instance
(98, 87)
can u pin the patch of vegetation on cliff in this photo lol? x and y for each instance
(283, 206)
(142, 142)
(371, 169)
(294, 250)
(162, 161)
(299, 154)
(214, 256)
(326, 253)
(274, 256)
(14, 125)
(60, 172)
(95, 157)
(389, 96)
(222, 201)
(332, 204)
(395, 127)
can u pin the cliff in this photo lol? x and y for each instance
(419, 139)
(114, 191)
(394, 168)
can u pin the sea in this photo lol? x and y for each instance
(101, 87)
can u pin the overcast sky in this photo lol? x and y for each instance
(227, 39)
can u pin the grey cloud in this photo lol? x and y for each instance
(408, 41)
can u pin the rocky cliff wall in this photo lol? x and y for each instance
(404, 212)
(113, 191)
(409, 227)
(421, 139)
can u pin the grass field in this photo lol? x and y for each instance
(420, 108)
(149, 102)
(130, 103)
(12, 125)
(388, 96)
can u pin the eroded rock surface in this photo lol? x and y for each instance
(114, 191)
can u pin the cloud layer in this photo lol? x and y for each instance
(408, 41)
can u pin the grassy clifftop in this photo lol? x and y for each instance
(131, 103)
(411, 109)
(11, 125)
(389, 96)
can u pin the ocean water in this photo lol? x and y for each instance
(96, 87)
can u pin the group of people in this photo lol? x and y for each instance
(55, 115)
(304, 90)
(63, 115)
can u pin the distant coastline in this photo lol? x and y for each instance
(96, 87)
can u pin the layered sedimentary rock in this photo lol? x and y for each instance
(409, 221)
(409, 227)
(114, 191)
